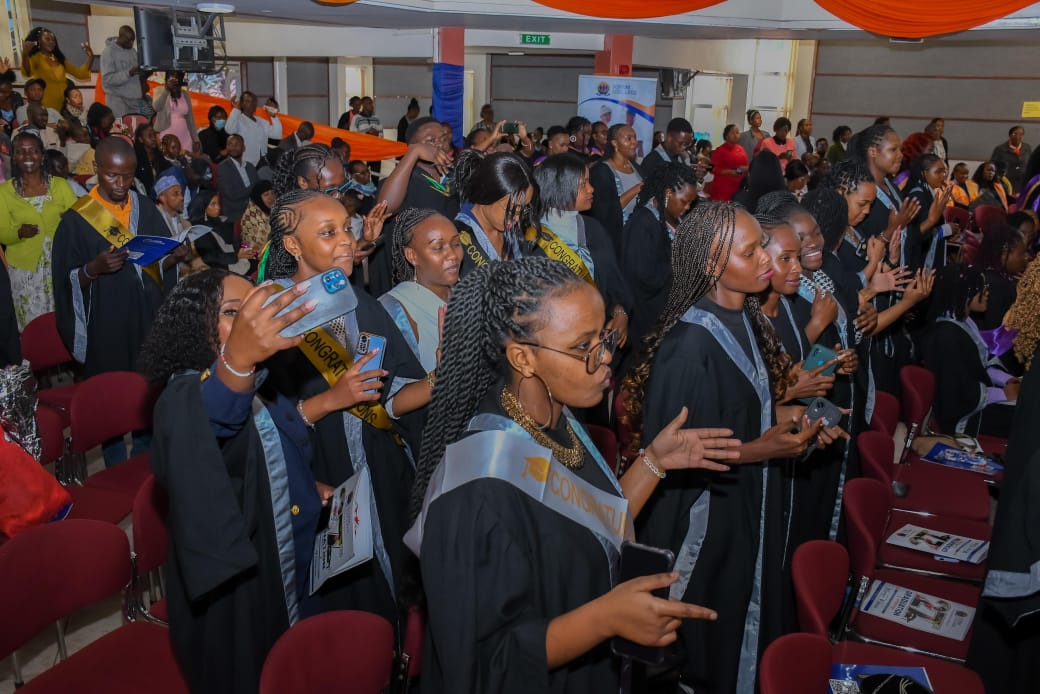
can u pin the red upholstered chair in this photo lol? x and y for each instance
(133, 120)
(886, 413)
(414, 635)
(820, 569)
(933, 489)
(956, 215)
(50, 571)
(104, 407)
(87, 502)
(333, 651)
(151, 542)
(869, 521)
(42, 346)
(987, 216)
(795, 664)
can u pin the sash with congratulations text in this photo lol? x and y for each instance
(557, 249)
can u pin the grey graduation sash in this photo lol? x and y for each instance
(983, 350)
(500, 449)
(758, 376)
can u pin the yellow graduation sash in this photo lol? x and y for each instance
(555, 248)
(332, 360)
(111, 230)
(472, 250)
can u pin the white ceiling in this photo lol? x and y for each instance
(731, 19)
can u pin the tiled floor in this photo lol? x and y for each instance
(83, 627)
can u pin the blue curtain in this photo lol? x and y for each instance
(447, 97)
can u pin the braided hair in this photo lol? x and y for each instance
(302, 162)
(16, 171)
(847, 174)
(490, 305)
(285, 220)
(779, 204)
(700, 253)
(404, 227)
(670, 177)
(830, 209)
(862, 141)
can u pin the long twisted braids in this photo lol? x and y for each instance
(404, 227)
(1024, 314)
(501, 301)
(666, 179)
(700, 253)
(302, 162)
(285, 220)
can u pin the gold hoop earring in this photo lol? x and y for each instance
(548, 393)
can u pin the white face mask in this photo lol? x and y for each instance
(357, 226)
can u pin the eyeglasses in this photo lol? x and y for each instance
(337, 191)
(599, 354)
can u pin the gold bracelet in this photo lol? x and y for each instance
(431, 378)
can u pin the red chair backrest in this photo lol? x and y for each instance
(886, 413)
(876, 451)
(867, 503)
(987, 216)
(151, 539)
(109, 405)
(956, 215)
(795, 664)
(334, 651)
(918, 385)
(54, 569)
(820, 569)
(414, 635)
(132, 120)
(42, 345)
(606, 443)
(52, 433)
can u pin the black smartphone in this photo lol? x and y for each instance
(822, 408)
(642, 560)
(511, 128)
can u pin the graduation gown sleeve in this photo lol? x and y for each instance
(611, 282)
(606, 203)
(646, 263)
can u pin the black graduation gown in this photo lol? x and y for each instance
(646, 260)
(498, 566)
(1005, 647)
(10, 345)
(422, 194)
(474, 250)
(952, 356)
(606, 202)
(209, 249)
(120, 306)
(916, 243)
(692, 369)
(224, 591)
(363, 587)
(1002, 293)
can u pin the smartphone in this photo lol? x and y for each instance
(330, 289)
(642, 560)
(822, 408)
(818, 356)
(511, 128)
(366, 343)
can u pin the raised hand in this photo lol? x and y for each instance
(676, 448)
(255, 333)
(634, 613)
(811, 384)
(374, 221)
(357, 385)
(921, 286)
(824, 309)
(893, 279)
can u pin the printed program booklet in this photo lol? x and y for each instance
(145, 249)
(846, 678)
(945, 545)
(941, 454)
(918, 610)
(347, 540)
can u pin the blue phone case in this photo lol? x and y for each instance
(335, 297)
(818, 356)
(366, 343)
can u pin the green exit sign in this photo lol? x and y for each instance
(534, 39)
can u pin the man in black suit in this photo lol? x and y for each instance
(303, 135)
(235, 180)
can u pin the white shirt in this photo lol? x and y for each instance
(255, 132)
(242, 172)
(362, 124)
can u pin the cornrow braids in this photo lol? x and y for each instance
(777, 204)
(847, 174)
(670, 177)
(466, 164)
(490, 305)
(1024, 315)
(700, 253)
(862, 141)
(830, 209)
(301, 162)
(404, 226)
(286, 216)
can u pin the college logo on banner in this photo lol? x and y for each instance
(624, 100)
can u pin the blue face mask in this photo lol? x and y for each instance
(219, 123)
(366, 188)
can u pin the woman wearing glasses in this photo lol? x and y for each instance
(496, 192)
(494, 500)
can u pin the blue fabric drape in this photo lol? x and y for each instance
(447, 97)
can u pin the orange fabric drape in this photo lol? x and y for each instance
(921, 18)
(363, 147)
(629, 9)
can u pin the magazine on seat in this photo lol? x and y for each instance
(918, 610)
(946, 545)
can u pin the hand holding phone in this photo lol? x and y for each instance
(332, 296)
(820, 355)
(374, 345)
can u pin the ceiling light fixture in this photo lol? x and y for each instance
(515, 53)
(215, 7)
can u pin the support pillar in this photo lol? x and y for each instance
(449, 54)
(616, 56)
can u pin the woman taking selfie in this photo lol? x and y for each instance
(523, 342)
